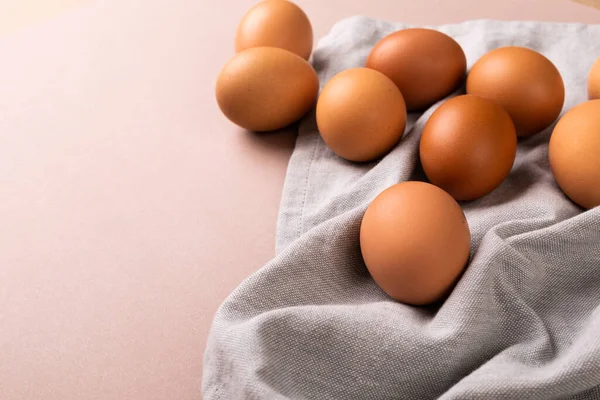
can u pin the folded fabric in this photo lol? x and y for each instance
(522, 323)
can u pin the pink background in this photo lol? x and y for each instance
(129, 207)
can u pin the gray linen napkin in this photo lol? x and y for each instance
(522, 323)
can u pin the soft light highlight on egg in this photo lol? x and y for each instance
(361, 114)
(524, 82)
(468, 146)
(275, 23)
(266, 88)
(425, 64)
(415, 242)
(574, 152)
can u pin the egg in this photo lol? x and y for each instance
(415, 242)
(522, 81)
(573, 152)
(275, 23)
(266, 88)
(361, 114)
(468, 146)
(594, 81)
(425, 64)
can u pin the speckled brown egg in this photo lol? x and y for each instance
(425, 64)
(276, 23)
(524, 82)
(361, 114)
(594, 81)
(266, 88)
(468, 147)
(574, 154)
(415, 242)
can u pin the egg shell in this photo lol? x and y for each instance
(415, 242)
(361, 114)
(266, 88)
(594, 81)
(468, 147)
(275, 23)
(524, 82)
(574, 151)
(425, 64)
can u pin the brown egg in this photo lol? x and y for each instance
(594, 81)
(266, 88)
(276, 23)
(522, 81)
(415, 242)
(574, 154)
(361, 114)
(468, 147)
(426, 65)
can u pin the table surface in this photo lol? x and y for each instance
(130, 206)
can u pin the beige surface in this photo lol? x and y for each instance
(130, 207)
(16, 14)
